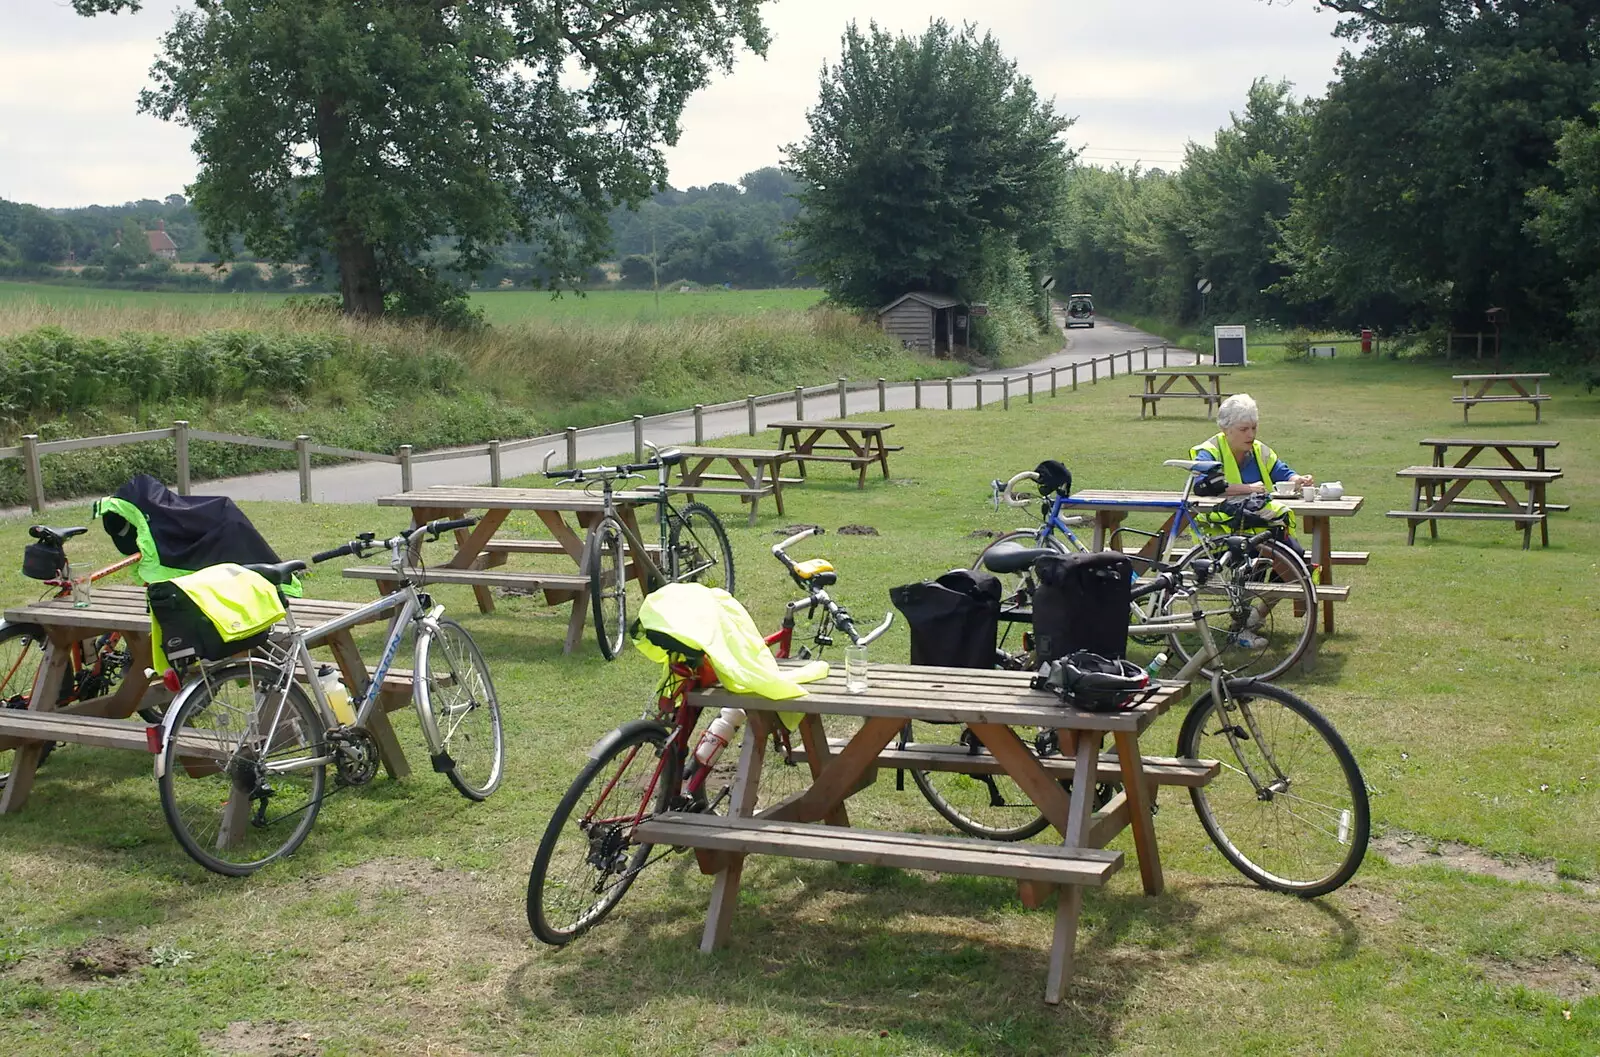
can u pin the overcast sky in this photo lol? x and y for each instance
(1143, 77)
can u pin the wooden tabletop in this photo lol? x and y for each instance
(123, 608)
(483, 497)
(1344, 506)
(1179, 372)
(958, 695)
(737, 453)
(868, 427)
(1486, 442)
(1478, 473)
(1485, 377)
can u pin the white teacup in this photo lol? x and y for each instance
(1330, 490)
(1286, 489)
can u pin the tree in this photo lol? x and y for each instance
(930, 163)
(1567, 220)
(365, 130)
(41, 238)
(129, 251)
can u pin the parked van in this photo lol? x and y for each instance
(1080, 311)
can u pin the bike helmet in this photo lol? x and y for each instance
(1053, 476)
(1093, 683)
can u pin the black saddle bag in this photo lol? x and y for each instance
(1081, 603)
(953, 618)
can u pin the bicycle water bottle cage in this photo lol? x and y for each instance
(817, 571)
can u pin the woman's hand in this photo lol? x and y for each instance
(1305, 479)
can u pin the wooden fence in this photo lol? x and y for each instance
(181, 434)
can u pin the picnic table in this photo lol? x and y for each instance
(104, 721)
(1486, 382)
(1506, 449)
(1112, 507)
(1435, 492)
(863, 440)
(761, 477)
(815, 824)
(1201, 384)
(479, 554)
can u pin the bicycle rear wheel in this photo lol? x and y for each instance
(588, 857)
(991, 806)
(1262, 612)
(459, 710)
(699, 549)
(21, 653)
(244, 769)
(607, 570)
(1289, 809)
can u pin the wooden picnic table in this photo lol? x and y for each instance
(1506, 449)
(104, 721)
(1435, 492)
(863, 440)
(479, 555)
(815, 824)
(1112, 507)
(1486, 382)
(1201, 385)
(761, 477)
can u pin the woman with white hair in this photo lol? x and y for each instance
(1247, 464)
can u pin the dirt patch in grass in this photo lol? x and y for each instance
(1412, 849)
(1565, 976)
(102, 958)
(244, 1038)
(1370, 905)
(396, 874)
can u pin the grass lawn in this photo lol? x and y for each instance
(1464, 675)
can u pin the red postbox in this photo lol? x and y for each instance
(1366, 341)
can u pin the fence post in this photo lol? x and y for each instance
(980, 394)
(843, 411)
(1146, 366)
(1480, 346)
(1074, 378)
(638, 438)
(494, 463)
(1164, 350)
(916, 385)
(699, 424)
(302, 450)
(750, 410)
(1030, 387)
(405, 472)
(180, 450)
(949, 394)
(33, 471)
(800, 402)
(1052, 381)
(572, 447)
(883, 396)
(1094, 372)
(1005, 393)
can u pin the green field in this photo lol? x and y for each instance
(1464, 674)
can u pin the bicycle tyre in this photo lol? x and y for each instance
(1241, 820)
(19, 668)
(607, 569)
(227, 705)
(621, 765)
(1269, 588)
(469, 747)
(699, 550)
(993, 806)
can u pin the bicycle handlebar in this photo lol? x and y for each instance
(778, 549)
(368, 541)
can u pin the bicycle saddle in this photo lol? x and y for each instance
(670, 456)
(279, 574)
(55, 535)
(1013, 558)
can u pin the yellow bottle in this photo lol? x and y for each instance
(338, 697)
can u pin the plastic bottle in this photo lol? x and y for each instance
(338, 697)
(718, 734)
(1153, 669)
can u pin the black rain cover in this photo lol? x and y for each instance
(190, 532)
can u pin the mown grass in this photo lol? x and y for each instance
(1463, 674)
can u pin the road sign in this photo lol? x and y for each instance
(1204, 286)
(1049, 282)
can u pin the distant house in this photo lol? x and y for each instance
(929, 322)
(161, 244)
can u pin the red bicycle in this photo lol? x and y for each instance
(589, 855)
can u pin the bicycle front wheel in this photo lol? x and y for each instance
(1262, 612)
(459, 710)
(244, 769)
(21, 653)
(991, 806)
(589, 857)
(607, 570)
(1289, 808)
(699, 549)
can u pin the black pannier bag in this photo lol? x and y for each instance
(1081, 603)
(953, 618)
(187, 634)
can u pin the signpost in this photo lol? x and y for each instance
(1204, 286)
(1230, 346)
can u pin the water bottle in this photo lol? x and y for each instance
(718, 734)
(338, 697)
(1153, 669)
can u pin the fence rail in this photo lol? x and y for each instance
(33, 449)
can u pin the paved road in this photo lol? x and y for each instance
(364, 482)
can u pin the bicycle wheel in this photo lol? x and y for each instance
(608, 585)
(1262, 612)
(21, 653)
(588, 857)
(982, 805)
(1289, 809)
(254, 796)
(459, 710)
(699, 549)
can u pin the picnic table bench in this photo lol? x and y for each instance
(1436, 490)
(863, 440)
(760, 478)
(104, 721)
(480, 557)
(1209, 390)
(1469, 399)
(1506, 449)
(815, 823)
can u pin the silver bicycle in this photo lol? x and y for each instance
(245, 748)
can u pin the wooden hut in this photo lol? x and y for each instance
(929, 322)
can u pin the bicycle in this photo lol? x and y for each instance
(1263, 600)
(691, 539)
(95, 666)
(588, 857)
(256, 801)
